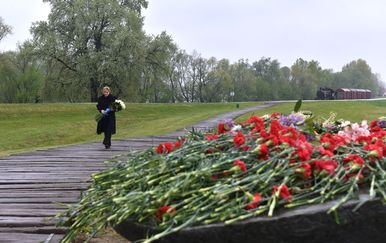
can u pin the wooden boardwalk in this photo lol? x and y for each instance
(35, 185)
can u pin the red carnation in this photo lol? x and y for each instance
(255, 119)
(160, 149)
(353, 175)
(178, 144)
(332, 142)
(326, 165)
(241, 165)
(210, 151)
(284, 192)
(245, 148)
(304, 150)
(375, 150)
(304, 169)
(376, 133)
(221, 128)
(364, 140)
(269, 139)
(382, 145)
(373, 124)
(255, 200)
(165, 209)
(211, 137)
(290, 136)
(239, 139)
(262, 151)
(326, 152)
(165, 148)
(356, 161)
(275, 128)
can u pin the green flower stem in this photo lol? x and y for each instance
(381, 190)
(349, 194)
(170, 230)
(261, 210)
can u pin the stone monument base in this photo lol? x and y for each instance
(303, 224)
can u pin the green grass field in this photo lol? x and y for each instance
(25, 127)
(354, 111)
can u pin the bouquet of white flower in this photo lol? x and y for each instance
(116, 106)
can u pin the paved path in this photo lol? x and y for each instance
(32, 184)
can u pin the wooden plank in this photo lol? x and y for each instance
(44, 173)
(48, 160)
(45, 206)
(59, 157)
(39, 200)
(47, 169)
(29, 238)
(30, 212)
(56, 167)
(41, 191)
(35, 230)
(31, 194)
(50, 169)
(53, 159)
(10, 221)
(49, 178)
(42, 180)
(67, 155)
(43, 186)
(65, 152)
(54, 163)
(74, 164)
(33, 175)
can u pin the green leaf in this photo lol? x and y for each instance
(298, 105)
(310, 124)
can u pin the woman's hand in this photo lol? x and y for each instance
(106, 112)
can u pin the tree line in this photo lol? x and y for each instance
(85, 45)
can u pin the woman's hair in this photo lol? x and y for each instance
(106, 88)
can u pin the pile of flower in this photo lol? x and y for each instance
(237, 172)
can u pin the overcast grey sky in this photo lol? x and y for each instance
(333, 32)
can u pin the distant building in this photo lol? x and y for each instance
(345, 94)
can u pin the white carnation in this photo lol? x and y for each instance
(121, 103)
(236, 128)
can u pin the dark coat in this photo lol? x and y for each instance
(107, 124)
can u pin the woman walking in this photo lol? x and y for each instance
(107, 123)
